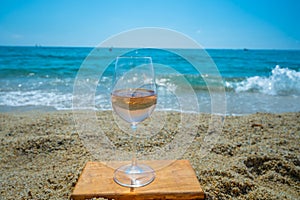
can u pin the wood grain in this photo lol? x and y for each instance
(177, 180)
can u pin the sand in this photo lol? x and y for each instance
(256, 156)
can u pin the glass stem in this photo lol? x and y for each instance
(134, 161)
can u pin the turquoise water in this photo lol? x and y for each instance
(254, 80)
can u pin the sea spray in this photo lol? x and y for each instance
(282, 81)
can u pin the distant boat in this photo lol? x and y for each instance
(245, 49)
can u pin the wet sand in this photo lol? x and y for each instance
(255, 157)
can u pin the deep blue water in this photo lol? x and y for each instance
(254, 80)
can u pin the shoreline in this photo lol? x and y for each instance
(255, 157)
(51, 109)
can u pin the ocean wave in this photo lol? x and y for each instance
(36, 98)
(282, 81)
(56, 100)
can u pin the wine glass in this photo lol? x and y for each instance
(133, 99)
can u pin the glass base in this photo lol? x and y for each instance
(134, 175)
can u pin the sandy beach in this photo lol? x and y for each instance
(256, 157)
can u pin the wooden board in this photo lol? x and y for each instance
(177, 180)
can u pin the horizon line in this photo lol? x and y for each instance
(211, 48)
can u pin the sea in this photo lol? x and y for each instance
(248, 80)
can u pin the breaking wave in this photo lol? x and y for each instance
(282, 81)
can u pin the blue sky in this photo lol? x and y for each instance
(271, 24)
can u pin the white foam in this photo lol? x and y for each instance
(282, 81)
(36, 98)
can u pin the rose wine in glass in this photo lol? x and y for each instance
(133, 99)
